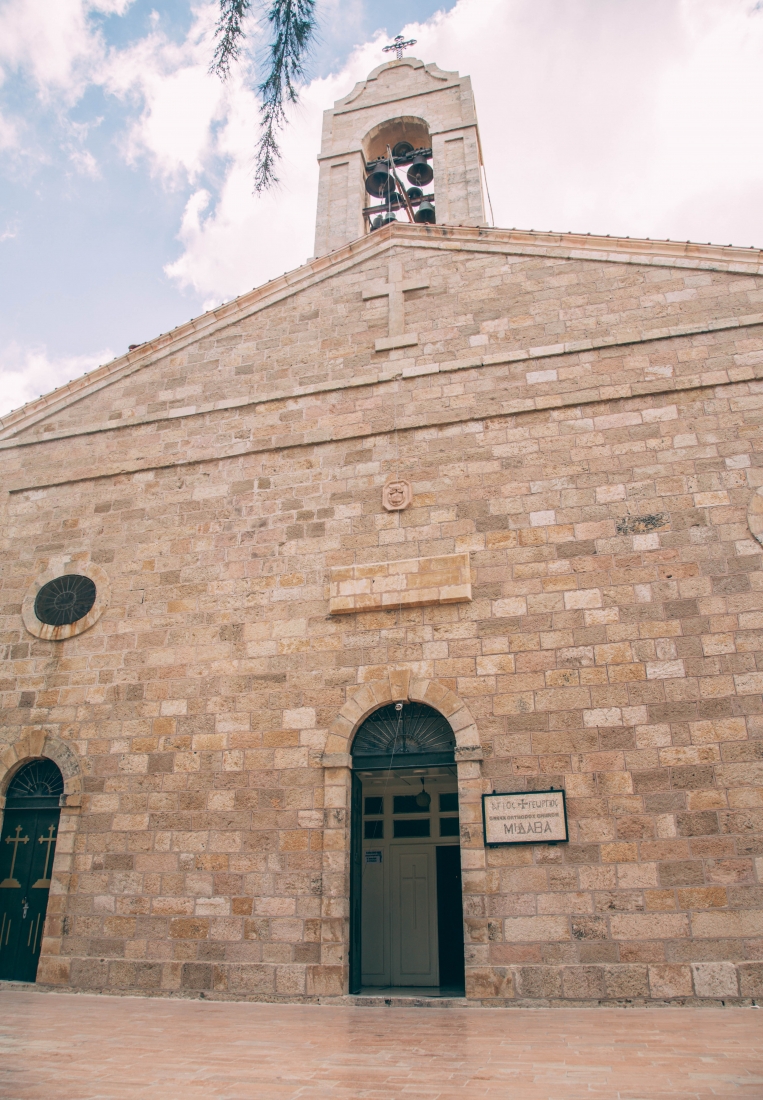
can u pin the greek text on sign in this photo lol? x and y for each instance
(527, 817)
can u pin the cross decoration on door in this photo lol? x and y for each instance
(44, 882)
(11, 882)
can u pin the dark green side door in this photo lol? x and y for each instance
(27, 846)
(26, 857)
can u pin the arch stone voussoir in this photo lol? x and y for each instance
(398, 686)
(755, 514)
(381, 691)
(33, 745)
(460, 719)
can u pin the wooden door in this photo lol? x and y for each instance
(375, 952)
(27, 846)
(413, 899)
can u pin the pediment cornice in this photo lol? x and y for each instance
(427, 73)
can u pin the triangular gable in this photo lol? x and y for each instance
(205, 326)
(359, 254)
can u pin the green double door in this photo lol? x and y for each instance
(27, 846)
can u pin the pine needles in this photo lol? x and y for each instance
(229, 33)
(292, 24)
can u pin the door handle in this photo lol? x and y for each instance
(24, 909)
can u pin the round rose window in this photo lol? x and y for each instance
(64, 600)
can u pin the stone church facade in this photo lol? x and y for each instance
(568, 574)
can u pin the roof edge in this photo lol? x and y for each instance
(575, 245)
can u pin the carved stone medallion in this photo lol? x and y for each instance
(397, 495)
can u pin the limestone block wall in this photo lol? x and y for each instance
(415, 582)
(495, 300)
(600, 487)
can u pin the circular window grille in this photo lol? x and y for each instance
(64, 600)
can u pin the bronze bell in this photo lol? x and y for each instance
(402, 149)
(387, 217)
(415, 194)
(377, 223)
(420, 172)
(425, 213)
(378, 181)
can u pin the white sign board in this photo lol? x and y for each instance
(527, 817)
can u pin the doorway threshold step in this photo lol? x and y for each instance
(418, 996)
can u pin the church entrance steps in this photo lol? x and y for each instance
(408, 998)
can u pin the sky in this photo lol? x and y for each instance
(126, 202)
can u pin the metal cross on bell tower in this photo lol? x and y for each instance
(398, 46)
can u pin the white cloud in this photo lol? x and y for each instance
(9, 136)
(10, 231)
(58, 47)
(27, 373)
(238, 240)
(636, 118)
(234, 240)
(180, 103)
(192, 125)
(639, 118)
(54, 41)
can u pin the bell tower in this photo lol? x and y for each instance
(403, 145)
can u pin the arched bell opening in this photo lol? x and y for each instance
(398, 173)
(27, 848)
(408, 128)
(406, 924)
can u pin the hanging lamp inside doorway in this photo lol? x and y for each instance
(423, 798)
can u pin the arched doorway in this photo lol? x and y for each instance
(27, 845)
(406, 924)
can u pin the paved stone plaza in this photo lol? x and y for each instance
(83, 1047)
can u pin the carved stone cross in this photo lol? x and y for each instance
(395, 288)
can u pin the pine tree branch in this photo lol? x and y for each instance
(229, 33)
(266, 156)
(293, 24)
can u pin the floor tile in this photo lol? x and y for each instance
(76, 1047)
